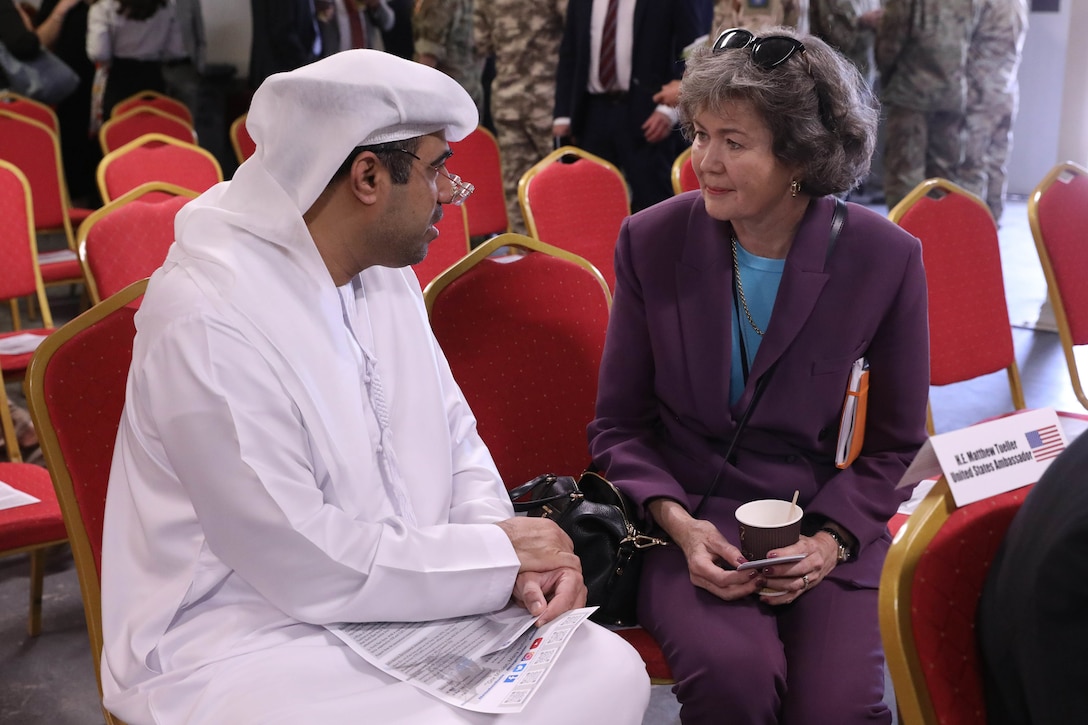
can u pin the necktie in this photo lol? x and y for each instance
(358, 35)
(606, 68)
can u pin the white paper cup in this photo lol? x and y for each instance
(767, 524)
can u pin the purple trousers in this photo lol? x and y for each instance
(817, 661)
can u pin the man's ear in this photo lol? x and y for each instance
(368, 177)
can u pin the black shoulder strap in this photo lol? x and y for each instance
(838, 220)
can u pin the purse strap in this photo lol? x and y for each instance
(838, 220)
(545, 479)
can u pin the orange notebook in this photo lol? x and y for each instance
(852, 426)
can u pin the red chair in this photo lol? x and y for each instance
(32, 528)
(929, 592)
(141, 120)
(20, 274)
(1058, 214)
(155, 157)
(76, 390)
(44, 115)
(24, 106)
(240, 140)
(476, 159)
(35, 149)
(153, 99)
(127, 239)
(969, 330)
(577, 205)
(451, 245)
(683, 173)
(524, 335)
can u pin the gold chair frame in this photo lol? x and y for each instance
(495, 246)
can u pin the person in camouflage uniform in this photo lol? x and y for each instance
(921, 55)
(757, 15)
(524, 36)
(849, 26)
(992, 96)
(442, 31)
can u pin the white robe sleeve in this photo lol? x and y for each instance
(239, 449)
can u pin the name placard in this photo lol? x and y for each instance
(990, 458)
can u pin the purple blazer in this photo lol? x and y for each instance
(663, 412)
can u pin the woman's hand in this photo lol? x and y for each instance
(821, 556)
(711, 559)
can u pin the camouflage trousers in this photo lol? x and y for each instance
(920, 145)
(988, 141)
(522, 142)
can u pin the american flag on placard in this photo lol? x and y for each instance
(1046, 443)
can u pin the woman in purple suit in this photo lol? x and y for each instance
(742, 286)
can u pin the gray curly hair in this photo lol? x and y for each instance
(821, 112)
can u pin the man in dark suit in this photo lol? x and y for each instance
(285, 37)
(1033, 614)
(618, 119)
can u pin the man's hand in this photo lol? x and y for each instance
(540, 544)
(669, 95)
(560, 130)
(657, 127)
(550, 594)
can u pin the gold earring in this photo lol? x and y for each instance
(795, 187)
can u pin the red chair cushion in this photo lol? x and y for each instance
(36, 523)
(656, 666)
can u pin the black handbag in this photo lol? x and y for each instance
(607, 537)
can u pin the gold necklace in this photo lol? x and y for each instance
(740, 287)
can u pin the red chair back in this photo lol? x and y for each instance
(1058, 211)
(11, 101)
(19, 274)
(451, 245)
(76, 390)
(155, 157)
(524, 335)
(35, 149)
(948, 582)
(141, 120)
(127, 239)
(576, 206)
(476, 159)
(969, 329)
(153, 99)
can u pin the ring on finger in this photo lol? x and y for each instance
(804, 578)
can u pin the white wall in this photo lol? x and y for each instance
(228, 26)
(1050, 126)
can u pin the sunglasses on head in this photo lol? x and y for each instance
(767, 52)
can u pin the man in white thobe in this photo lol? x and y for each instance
(294, 451)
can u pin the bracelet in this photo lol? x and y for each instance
(844, 550)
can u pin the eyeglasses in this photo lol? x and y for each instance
(461, 189)
(767, 53)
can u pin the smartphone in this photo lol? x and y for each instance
(760, 563)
